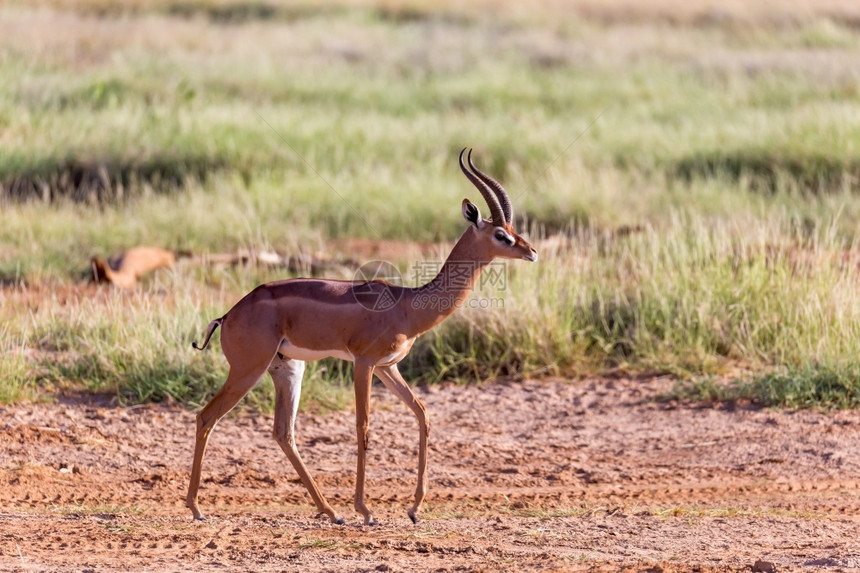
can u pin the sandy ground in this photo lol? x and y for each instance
(549, 475)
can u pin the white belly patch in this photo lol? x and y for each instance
(306, 354)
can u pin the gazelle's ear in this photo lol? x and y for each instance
(471, 213)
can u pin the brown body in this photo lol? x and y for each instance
(280, 325)
(298, 317)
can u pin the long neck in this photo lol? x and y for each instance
(430, 304)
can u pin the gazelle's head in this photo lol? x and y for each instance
(495, 237)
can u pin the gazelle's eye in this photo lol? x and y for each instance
(504, 238)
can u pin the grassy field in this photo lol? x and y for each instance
(693, 168)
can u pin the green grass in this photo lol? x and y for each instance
(705, 175)
(136, 346)
(17, 382)
(688, 299)
(825, 386)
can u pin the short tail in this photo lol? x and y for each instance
(209, 330)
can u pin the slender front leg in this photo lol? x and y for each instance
(362, 379)
(287, 377)
(392, 379)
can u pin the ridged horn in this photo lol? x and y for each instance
(504, 199)
(496, 212)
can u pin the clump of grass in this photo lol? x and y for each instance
(813, 386)
(17, 380)
(824, 386)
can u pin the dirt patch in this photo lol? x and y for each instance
(550, 475)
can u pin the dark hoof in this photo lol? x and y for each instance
(372, 522)
(336, 520)
(413, 517)
(201, 518)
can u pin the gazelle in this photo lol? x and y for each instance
(280, 325)
(131, 265)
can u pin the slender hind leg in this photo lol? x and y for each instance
(392, 379)
(287, 377)
(237, 385)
